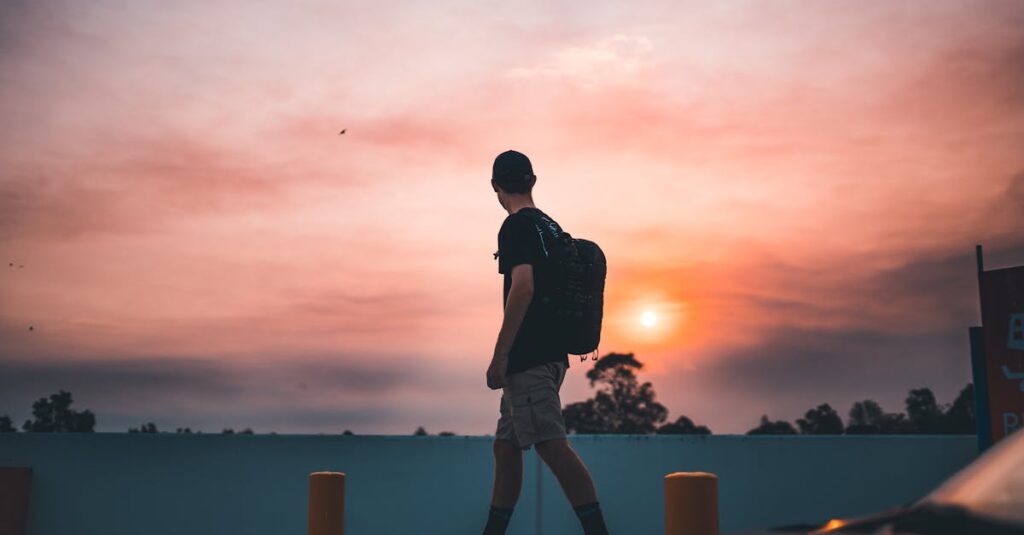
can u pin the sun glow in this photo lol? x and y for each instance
(648, 318)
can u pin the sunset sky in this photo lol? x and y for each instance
(792, 190)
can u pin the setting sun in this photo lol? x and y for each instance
(648, 319)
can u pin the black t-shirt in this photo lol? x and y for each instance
(520, 243)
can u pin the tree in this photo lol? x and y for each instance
(960, 417)
(868, 418)
(6, 425)
(184, 430)
(621, 405)
(923, 412)
(822, 420)
(895, 423)
(246, 431)
(865, 418)
(145, 428)
(582, 418)
(683, 426)
(446, 434)
(227, 431)
(55, 415)
(769, 427)
(420, 432)
(347, 432)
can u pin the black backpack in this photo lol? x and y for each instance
(575, 293)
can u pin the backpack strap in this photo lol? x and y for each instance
(540, 232)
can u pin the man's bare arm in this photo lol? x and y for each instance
(519, 296)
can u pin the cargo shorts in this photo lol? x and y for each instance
(531, 410)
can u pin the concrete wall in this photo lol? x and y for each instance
(164, 484)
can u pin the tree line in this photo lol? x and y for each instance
(624, 405)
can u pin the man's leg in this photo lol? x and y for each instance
(508, 473)
(569, 469)
(576, 483)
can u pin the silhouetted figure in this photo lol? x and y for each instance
(528, 363)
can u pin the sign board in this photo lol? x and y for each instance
(1002, 320)
(15, 487)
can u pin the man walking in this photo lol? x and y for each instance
(528, 363)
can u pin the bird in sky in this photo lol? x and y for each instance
(31, 328)
(342, 131)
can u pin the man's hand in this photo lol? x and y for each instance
(496, 372)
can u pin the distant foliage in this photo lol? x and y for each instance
(347, 433)
(768, 427)
(683, 426)
(145, 428)
(55, 415)
(923, 412)
(622, 404)
(867, 418)
(960, 417)
(822, 420)
(923, 415)
(864, 418)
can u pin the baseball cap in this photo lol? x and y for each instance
(511, 165)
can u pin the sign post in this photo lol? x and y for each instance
(1000, 385)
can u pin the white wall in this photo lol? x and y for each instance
(121, 484)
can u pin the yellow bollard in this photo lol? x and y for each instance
(691, 503)
(326, 503)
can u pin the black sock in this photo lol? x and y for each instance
(497, 520)
(591, 518)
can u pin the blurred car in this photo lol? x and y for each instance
(984, 498)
